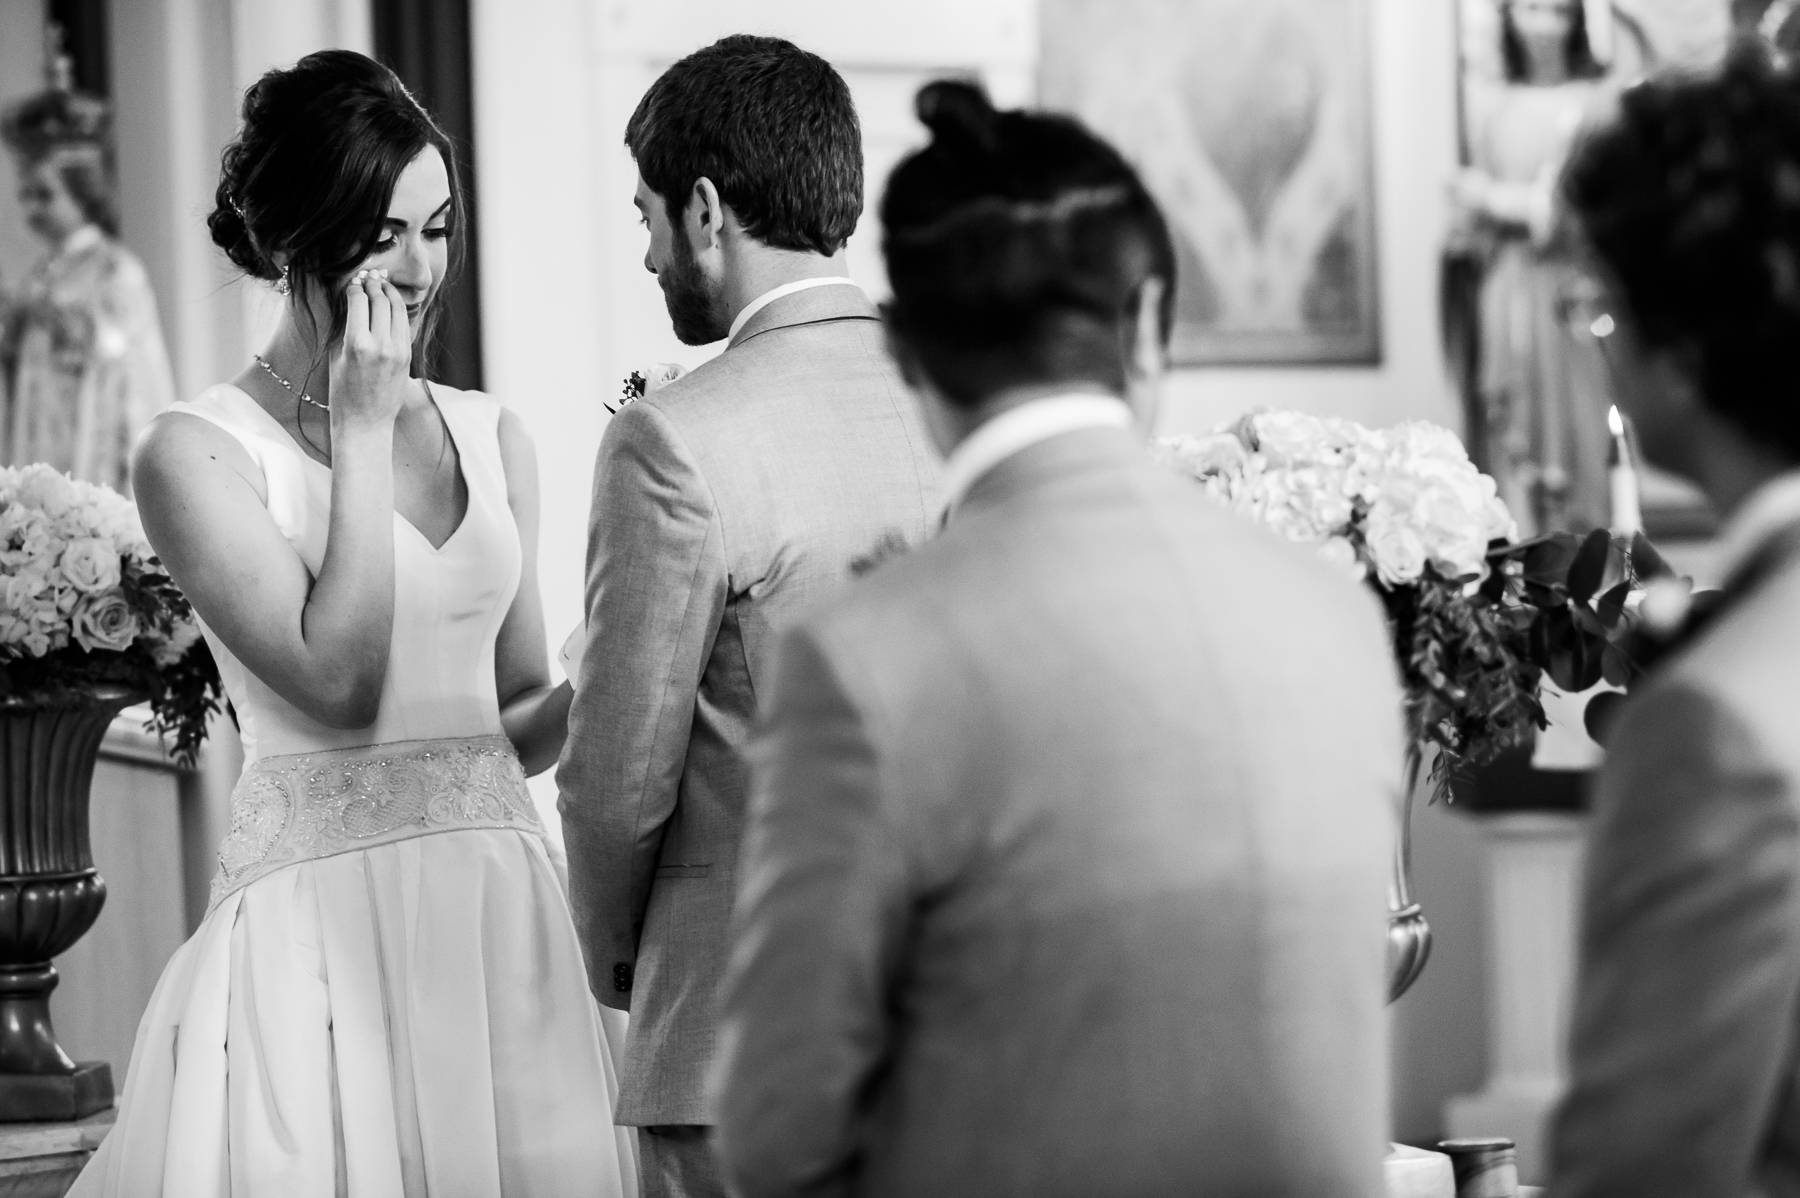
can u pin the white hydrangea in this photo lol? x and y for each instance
(64, 546)
(1396, 502)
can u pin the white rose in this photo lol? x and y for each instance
(1399, 554)
(104, 622)
(91, 564)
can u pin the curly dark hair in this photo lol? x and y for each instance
(1017, 244)
(72, 132)
(771, 125)
(313, 168)
(1691, 200)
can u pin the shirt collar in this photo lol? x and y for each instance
(1019, 428)
(82, 238)
(774, 293)
(1770, 508)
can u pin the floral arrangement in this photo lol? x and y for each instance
(86, 605)
(1477, 617)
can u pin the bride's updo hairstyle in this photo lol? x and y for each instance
(313, 169)
(1017, 244)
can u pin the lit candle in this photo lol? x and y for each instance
(1627, 513)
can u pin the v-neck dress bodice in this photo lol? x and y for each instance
(449, 601)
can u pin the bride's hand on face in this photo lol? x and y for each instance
(371, 365)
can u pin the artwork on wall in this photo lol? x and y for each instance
(1249, 121)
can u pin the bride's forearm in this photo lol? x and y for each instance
(537, 721)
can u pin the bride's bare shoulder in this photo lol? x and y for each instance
(182, 453)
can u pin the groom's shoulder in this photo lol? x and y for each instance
(784, 378)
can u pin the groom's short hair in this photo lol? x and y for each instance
(771, 125)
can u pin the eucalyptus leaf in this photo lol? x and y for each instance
(1612, 605)
(1547, 561)
(1589, 566)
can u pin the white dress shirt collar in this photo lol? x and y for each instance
(1024, 426)
(1770, 508)
(774, 293)
(83, 238)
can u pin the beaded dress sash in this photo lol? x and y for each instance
(304, 806)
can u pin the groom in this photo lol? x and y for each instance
(725, 504)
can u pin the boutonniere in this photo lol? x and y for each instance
(639, 384)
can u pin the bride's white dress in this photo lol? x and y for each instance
(386, 997)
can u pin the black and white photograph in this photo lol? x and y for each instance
(856, 599)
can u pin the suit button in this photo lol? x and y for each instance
(622, 977)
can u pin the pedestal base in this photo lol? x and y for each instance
(1418, 1173)
(56, 1097)
(1518, 1110)
(41, 1160)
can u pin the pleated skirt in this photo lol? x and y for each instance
(407, 1020)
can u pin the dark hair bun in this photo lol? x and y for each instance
(959, 115)
(1016, 243)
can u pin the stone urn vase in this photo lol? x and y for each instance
(50, 895)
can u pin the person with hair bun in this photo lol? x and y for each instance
(82, 361)
(1066, 864)
(1683, 1077)
(386, 995)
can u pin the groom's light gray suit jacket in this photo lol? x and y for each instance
(724, 505)
(1067, 859)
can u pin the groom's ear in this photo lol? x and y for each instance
(705, 215)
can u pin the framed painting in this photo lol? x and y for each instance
(1249, 121)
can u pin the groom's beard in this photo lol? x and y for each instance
(694, 309)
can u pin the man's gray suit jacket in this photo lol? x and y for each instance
(1066, 871)
(1685, 1069)
(724, 505)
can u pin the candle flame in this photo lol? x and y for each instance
(1615, 422)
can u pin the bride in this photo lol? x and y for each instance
(386, 996)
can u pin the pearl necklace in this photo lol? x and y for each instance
(304, 398)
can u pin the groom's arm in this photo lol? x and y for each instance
(821, 915)
(655, 596)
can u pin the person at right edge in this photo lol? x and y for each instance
(1683, 1078)
(1066, 857)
